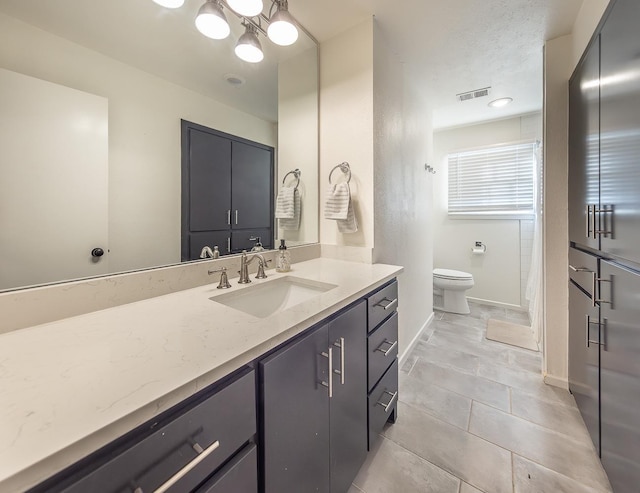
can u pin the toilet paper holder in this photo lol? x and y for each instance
(479, 248)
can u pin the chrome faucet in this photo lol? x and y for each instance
(244, 267)
(206, 252)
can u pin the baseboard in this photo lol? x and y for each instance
(561, 383)
(414, 342)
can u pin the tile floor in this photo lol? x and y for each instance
(475, 416)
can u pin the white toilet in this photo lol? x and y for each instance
(449, 287)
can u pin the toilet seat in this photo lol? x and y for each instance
(453, 275)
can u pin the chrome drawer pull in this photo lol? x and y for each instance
(342, 350)
(589, 323)
(329, 384)
(387, 406)
(186, 469)
(386, 353)
(579, 269)
(229, 217)
(389, 305)
(588, 223)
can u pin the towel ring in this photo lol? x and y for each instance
(345, 168)
(296, 172)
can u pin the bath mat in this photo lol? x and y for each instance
(510, 333)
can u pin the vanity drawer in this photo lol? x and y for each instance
(382, 402)
(382, 348)
(381, 304)
(240, 475)
(197, 442)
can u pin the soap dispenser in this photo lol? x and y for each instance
(216, 252)
(283, 258)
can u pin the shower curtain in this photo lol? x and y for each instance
(534, 282)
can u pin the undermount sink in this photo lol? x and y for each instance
(269, 297)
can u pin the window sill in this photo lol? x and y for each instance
(493, 215)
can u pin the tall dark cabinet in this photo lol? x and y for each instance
(315, 407)
(604, 233)
(227, 192)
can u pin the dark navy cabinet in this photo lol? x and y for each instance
(315, 407)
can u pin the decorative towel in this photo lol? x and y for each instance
(292, 224)
(339, 207)
(285, 203)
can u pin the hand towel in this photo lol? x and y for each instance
(339, 207)
(293, 224)
(336, 205)
(285, 203)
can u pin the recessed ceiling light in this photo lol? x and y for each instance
(499, 103)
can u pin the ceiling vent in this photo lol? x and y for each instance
(477, 93)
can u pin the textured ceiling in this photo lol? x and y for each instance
(447, 46)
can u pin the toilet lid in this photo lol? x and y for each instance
(451, 274)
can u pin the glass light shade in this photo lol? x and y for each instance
(247, 8)
(211, 21)
(170, 4)
(282, 29)
(248, 47)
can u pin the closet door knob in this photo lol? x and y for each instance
(97, 252)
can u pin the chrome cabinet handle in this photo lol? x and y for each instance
(389, 305)
(579, 269)
(594, 299)
(329, 384)
(342, 351)
(604, 231)
(186, 469)
(236, 216)
(229, 217)
(587, 211)
(388, 405)
(588, 325)
(229, 244)
(386, 353)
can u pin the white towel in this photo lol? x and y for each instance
(292, 224)
(339, 207)
(336, 205)
(285, 203)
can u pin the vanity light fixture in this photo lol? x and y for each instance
(211, 20)
(248, 47)
(246, 8)
(170, 4)
(499, 103)
(282, 28)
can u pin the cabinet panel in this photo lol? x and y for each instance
(383, 401)
(295, 416)
(584, 359)
(382, 349)
(584, 158)
(620, 377)
(240, 475)
(348, 406)
(209, 181)
(620, 130)
(252, 192)
(382, 304)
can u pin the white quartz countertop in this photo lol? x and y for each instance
(69, 387)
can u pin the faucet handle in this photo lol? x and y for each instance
(224, 280)
(261, 274)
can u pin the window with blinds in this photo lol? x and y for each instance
(493, 180)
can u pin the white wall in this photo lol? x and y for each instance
(298, 138)
(561, 57)
(403, 189)
(144, 136)
(346, 126)
(498, 273)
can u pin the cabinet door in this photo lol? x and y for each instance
(584, 359)
(584, 158)
(620, 131)
(252, 186)
(620, 377)
(296, 416)
(348, 406)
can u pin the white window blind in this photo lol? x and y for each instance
(492, 180)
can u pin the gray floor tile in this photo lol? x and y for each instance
(408, 364)
(447, 357)
(552, 450)
(473, 333)
(511, 376)
(465, 320)
(471, 386)
(390, 468)
(453, 408)
(557, 417)
(530, 477)
(482, 349)
(549, 393)
(525, 360)
(485, 312)
(467, 488)
(472, 459)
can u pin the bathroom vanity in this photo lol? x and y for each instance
(185, 393)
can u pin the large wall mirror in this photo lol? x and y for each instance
(115, 79)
